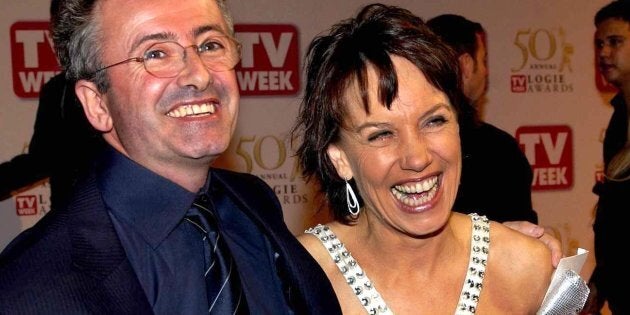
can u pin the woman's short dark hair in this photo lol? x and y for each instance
(336, 61)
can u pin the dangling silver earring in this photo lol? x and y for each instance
(351, 199)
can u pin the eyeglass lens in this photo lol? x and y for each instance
(168, 59)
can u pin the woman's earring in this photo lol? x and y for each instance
(351, 199)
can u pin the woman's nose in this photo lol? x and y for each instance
(415, 153)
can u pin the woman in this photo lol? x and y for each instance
(379, 121)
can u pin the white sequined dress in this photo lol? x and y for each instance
(366, 291)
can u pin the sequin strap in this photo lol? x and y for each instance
(479, 245)
(355, 277)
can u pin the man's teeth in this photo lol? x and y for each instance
(189, 110)
(417, 193)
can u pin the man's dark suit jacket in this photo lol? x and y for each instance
(72, 262)
(493, 156)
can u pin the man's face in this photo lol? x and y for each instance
(475, 86)
(613, 50)
(166, 124)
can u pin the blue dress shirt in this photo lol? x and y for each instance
(166, 252)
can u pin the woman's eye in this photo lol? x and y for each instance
(379, 135)
(437, 121)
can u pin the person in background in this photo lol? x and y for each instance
(152, 228)
(62, 144)
(493, 163)
(610, 278)
(378, 129)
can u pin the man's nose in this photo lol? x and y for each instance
(195, 73)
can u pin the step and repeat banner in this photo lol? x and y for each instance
(543, 89)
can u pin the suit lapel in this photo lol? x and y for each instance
(305, 286)
(250, 204)
(111, 286)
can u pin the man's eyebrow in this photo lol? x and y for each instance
(208, 28)
(163, 36)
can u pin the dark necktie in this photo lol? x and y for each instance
(223, 284)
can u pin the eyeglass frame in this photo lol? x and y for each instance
(237, 46)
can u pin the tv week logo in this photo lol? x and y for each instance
(269, 60)
(549, 150)
(32, 57)
(26, 205)
(518, 83)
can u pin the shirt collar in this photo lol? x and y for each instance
(618, 101)
(151, 204)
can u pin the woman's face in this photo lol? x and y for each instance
(406, 161)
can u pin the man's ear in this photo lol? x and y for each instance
(467, 65)
(340, 161)
(94, 105)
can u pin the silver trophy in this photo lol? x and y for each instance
(566, 295)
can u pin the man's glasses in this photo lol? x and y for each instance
(168, 59)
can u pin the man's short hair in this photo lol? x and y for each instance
(619, 9)
(458, 32)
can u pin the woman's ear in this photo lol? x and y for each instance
(94, 105)
(339, 159)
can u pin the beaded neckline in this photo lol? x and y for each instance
(354, 274)
(371, 299)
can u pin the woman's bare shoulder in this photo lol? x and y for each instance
(517, 261)
(519, 249)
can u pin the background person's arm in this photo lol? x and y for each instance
(539, 232)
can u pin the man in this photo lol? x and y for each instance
(610, 277)
(496, 176)
(156, 78)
